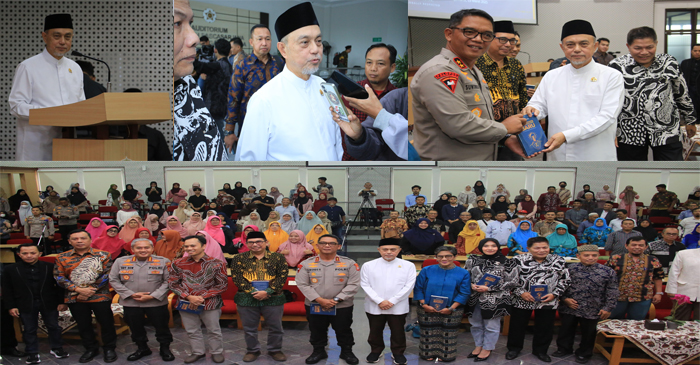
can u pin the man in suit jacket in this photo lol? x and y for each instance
(682, 279)
(28, 289)
(691, 72)
(606, 212)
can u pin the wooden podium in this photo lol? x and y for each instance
(130, 109)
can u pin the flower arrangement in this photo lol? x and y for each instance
(679, 301)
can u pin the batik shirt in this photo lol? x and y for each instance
(550, 272)
(656, 98)
(248, 77)
(506, 84)
(593, 287)
(246, 268)
(548, 202)
(196, 136)
(414, 213)
(495, 302)
(662, 201)
(90, 269)
(636, 278)
(394, 228)
(206, 278)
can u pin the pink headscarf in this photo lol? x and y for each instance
(113, 245)
(127, 233)
(96, 232)
(193, 226)
(213, 249)
(296, 250)
(243, 237)
(215, 231)
(152, 226)
(182, 231)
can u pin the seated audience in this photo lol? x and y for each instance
(562, 242)
(596, 234)
(517, 242)
(110, 242)
(275, 236)
(421, 239)
(295, 249)
(315, 234)
(288, 224)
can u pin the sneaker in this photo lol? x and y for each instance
(33, 359)
(373, 357)
(399, 359)
(59, 353)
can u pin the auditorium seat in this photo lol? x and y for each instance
(229, 310)
(294, 311)
(17, 235)
(18, 241)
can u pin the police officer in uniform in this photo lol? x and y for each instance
(34, 228)
(329, 281)
(141, 280)
(453, 111)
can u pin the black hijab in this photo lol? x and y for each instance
(16, 200)
(238, 191)
(76, 197)
(300, 201)
(649, 233)
(228, 191)
(175, 190)
(480, 190)
(441, 203)
(498, 256)
(498, 206)
(158, 212)
(130, 194)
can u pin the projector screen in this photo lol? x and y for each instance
(517, 11)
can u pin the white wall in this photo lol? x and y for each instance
(95, 181)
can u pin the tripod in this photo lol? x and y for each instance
(366, 204)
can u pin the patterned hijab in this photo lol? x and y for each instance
(196, 136)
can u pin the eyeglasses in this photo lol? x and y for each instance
(471, 33)
(255, 242)
(504, 40)
(444, 257)
(326, 244)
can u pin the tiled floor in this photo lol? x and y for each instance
(296, 347)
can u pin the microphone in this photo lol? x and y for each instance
(528, 56)
(109, 72)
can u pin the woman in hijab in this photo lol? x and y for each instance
(132, 196)
(44, 194)
(308, 221)
(183, 212)
(195, 224)
(154, 224)
(226, 221)
(694, 196)
(303, 203)
(589, 203)
(96, 227)
(628, 201)
(125, 213)
(604, 196)
(275, 194)
(319, 203)
(220, 234)
(129, 229)
(159, 212)
(586, 188)
(169, 245)
(238, 192)
(323, 216)
(597, 234)
(287, 223)
(313, 236)
(240, 242)
(49, 202)
(521, 196)
(302, 189)
(561, 242)
(175, 195)
(24, 212)
(16, 200)
(144, 233)
(174, 225)
(468, 239)
(274, 216)
(154, 193)
(78, 199)
(500, 205)
(421, 240)
(249, 195)
(109, 241)
(113, 195)
(500, 191)
(194, 185)
(487, 304)
(227, 189)
(646, 228)
(212, 249)
(444, 200)
(690, 240)
(467, 197)
(275, 236)
(517, 242)
(480, 189)
(528, 205)
(254, 219)
(295, 249)
(76, 185)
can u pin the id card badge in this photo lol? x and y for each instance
(330, 91)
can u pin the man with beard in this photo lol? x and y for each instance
(288, 119)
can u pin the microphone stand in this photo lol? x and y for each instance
(109, 72)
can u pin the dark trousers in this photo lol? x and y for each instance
(342, 325)
(64, 230)
(567, 332)
(544, 325)
(30, 321)
(7, 328)
(659, 213)
(159, 316)
(668, 152)
(82, 313)
(371, 214)
(376, 332)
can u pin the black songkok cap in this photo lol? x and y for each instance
(256, 234)
(298, 16)
(577, 26)
(54, 21)
(387, 242)
(503, 26)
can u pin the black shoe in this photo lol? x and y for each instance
(482, 358)
(317, 356)
(142, 352)
(560, 353)
(110, 355)
(373, 357)
(12, 351)
(33, 359)
(582, 360)
(349, 357)
(544, 357)
(399, 359)
(510, 355)
(59, 353)
(472, 355)
(88, 356)
(166, 354)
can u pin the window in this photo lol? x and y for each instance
(681, 31)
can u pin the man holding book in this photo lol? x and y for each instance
(199, 280)
(591, 297)
(141, 280)
(542, 278)
(329, 282)
(260, 275)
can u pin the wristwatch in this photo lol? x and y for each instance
(337, 299)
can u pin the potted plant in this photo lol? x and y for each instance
(672, 322)
(400, 76)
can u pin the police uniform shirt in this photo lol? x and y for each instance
(129, 276)
(33, 226)
(339, 278)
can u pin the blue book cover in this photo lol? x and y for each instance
(318, 309)
(438, 302)
(532, 138)
(489, 280)
(260, 285)
(184, 306)
(538, 291)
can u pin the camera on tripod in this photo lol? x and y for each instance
(206, 53)
(366, 194)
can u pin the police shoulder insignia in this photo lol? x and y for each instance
(459, 62)
(357, 267)
(449, 79)
(300, 266)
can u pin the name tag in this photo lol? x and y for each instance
(657, 253)
(158, 272)
(126, 271)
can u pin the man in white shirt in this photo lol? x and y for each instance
(387, 281)
(682, 279)
(500, 229)
(616, 224)
(46, 80)
(688, 224)
(581, 99)
(288, 119)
